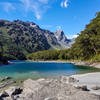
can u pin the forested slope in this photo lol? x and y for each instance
(20, 38)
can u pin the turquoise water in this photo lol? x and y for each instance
(25, 69)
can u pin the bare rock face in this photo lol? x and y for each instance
(62, 39)
(60, 36)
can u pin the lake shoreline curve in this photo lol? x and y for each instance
(77, 63)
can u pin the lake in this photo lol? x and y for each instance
(34, 70)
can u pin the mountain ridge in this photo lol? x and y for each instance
(20, 38)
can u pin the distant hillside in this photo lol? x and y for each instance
(20, 38)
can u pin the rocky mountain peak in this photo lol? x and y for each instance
(60, 35)
(59, 31)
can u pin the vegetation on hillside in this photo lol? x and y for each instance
(86, 46)
(49, 55)
(20, 38)
(44, 55)
(3, 60)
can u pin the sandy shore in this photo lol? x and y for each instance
(90, 80)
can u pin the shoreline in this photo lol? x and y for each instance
(81, 86)
(58, 61)
(88, 64)
(77, 63)
(48, 61)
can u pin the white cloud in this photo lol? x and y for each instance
(38, 7)
(72, 36)
(75, 36)
(38, 16)
(43, 1)
(26, 4)
(64, 3)
(58, 27)
(7, 6)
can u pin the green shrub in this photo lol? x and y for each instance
(96, 58)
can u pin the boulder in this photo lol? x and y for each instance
(11, 93)
(96, 88)
(54, 89)
(3, 94)
(14, 90)
(5, 78)
(4, 84)
(67, 79)
(82, 87)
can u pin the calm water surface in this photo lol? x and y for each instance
(25, 69)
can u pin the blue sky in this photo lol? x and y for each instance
(69, 15)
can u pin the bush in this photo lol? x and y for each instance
(96, 58)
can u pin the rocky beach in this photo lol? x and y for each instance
(85, 63)
(75, 87)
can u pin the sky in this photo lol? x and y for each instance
(69, 15)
